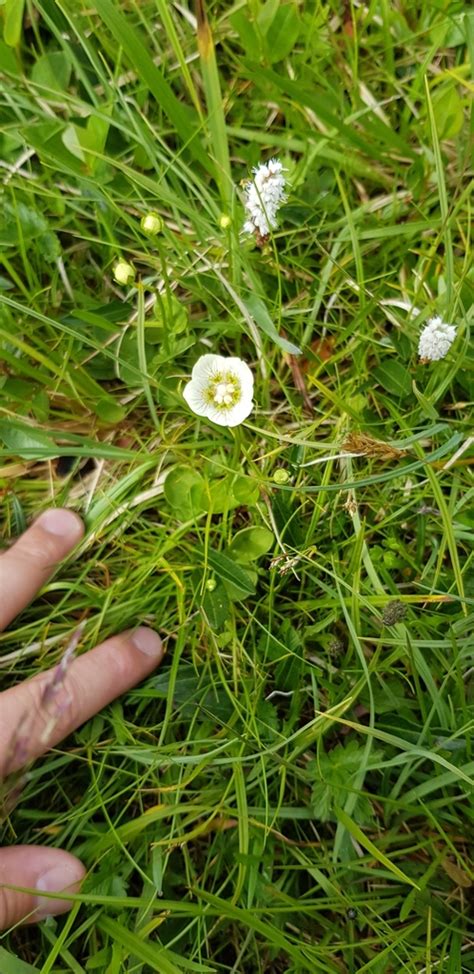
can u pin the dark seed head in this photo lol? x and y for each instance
(393, 612)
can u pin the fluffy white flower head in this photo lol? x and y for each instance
(220, 389)
(264, 195)
(436, 339)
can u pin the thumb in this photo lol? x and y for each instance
(43, 870)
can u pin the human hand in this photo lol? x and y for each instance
(87, 684)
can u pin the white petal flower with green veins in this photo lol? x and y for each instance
(221, 389)
(436, 339)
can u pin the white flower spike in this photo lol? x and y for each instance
(220, 389)
(436, 339)
(264, 195)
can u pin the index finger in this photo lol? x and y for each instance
(34, 557)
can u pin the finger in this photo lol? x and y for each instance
(33, 558)
(44, 870)
(37, 714)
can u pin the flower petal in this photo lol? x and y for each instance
(193, 394)
(206, 367)
(243, 373)
(239, 412)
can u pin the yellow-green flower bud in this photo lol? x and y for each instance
(225, 221)
(151, 223)
(211, 584)
(124, 273)
(281, 476)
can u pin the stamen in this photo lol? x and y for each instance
(224, 393)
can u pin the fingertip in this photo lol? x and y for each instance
(62, 523)
(148, 642)
(32, 879)
(63, 877)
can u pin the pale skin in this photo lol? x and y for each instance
(91, 681)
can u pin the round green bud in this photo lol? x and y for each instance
(124, 273)
(281, 476)
(211, 584)
(151, 223)
(225, 221)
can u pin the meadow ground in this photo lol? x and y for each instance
(292, 790)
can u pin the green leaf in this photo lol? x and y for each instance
(216, 606)
(219, 497)
(234, 592)
(170, 314)
(184, 489)
(246, 491)
(228, 571)
(109, 410)
(251, 543)
(9, 964)
(8, 59)
(333, 775)
(394, 377)
(257, 309)
(159, 958)
(26, 441)
(267, 14)
(282, 33)
(13, 22)
(366, 843)
(248, 36)
(127, 37)
(448, 112)
(52, 71)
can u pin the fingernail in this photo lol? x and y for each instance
(59, 521)
(147, 641)
(60, 879)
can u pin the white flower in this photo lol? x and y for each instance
(436, 339)
(220, 389)
(264, 195)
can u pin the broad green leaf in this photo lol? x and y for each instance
(52, 71)
(394, 377)
(448, 112)
(109, 410)
(267, 14)
(184, 490)
(248, 36)
(251, 543)
(333, 774)
(234, 592)
(13, 22)
(219, 496)
(216, 606)
(170, 315)
(92, 139)
(246, 491)
(228, 571)
(71, 139)
(9, 964)
(25, 441)
(283, 32)
(8, 59)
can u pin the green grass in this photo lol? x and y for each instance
(292, 791)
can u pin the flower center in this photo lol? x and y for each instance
(224, 393)
(224, 390)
